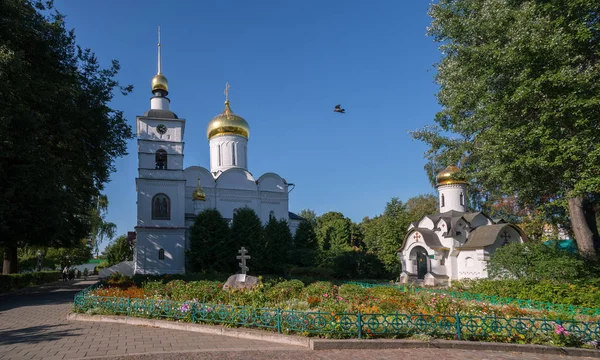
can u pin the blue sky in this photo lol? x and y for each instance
(288, 63)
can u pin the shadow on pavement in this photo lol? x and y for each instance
(52, 294)
(35, 334)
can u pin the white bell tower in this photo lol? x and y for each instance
(160, 185)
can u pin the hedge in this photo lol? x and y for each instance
(19, 281)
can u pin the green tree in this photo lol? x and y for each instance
(247, 231)
(101, 229)
(73, 255)
(59, 134)
(305, 245)
(310, 216)
(421, 205)
(520, 89)
(207, 235)
(536, 261)
(333, 231)
(118, 250)
(278, 240)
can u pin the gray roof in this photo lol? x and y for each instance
(162, 114)
(293, 216)
(484, 236)
(429, 237)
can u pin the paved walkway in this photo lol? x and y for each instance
(33, 325)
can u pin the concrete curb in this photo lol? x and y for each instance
(327, 344)
(242, 333)
(331, 344)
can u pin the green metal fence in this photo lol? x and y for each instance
(494, 300)
(358, 325)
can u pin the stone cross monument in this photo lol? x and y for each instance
(243, 257)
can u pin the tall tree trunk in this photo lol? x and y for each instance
(581, 229)
(9, 265)
(590, 217)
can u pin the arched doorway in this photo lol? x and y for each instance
(420, 259)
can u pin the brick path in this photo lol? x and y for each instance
(33, 325)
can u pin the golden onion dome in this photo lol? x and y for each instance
(159, 82)
(228, 123)
(198, 193)
(448, 176)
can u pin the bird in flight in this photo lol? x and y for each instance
(338, 108)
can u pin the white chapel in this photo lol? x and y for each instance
(170, 196)
(453, 244)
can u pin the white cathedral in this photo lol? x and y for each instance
(169, 197)
(453, 244)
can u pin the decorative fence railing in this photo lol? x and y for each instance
(358, 325)
(494, 300)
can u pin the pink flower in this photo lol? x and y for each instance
(325, 295)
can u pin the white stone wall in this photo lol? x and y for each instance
(470, 264)
(146, 129)
(451, 197)
(228, 151)
(148, 244)
(174, 189)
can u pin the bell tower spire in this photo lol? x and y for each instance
(160, 85)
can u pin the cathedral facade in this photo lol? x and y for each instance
(454, 243)
(170, 196)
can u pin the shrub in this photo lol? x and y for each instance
(585, 295)
(285, 290)
(536, 261)
(19, 281)
(118, 280)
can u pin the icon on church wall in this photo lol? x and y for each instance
(161, 207)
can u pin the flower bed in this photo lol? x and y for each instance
(349, 310)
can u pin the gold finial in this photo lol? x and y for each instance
(199, 194)
(159, 81)
(159, 65)
(226, 92)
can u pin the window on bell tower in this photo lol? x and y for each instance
(462, 199)
(161, 207)
(160, 160)
(443, 201)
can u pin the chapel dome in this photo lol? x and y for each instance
(228, 123)
(159, 82)
(448, 176)
(199, 193)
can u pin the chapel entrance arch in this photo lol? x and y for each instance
(419, 256)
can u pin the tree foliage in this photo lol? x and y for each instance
(59, 134)
(207, 235)
(306, 246)
(118, 250)
(520, 94)
(333, 231)
(278, 241)
(101, 229)
(535, 262)
(247, 231)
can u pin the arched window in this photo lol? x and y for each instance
(271, 214)
(161, 159)
(443, 201)
(462, 199)
(161, 254)
(233, 154)
(161, 207)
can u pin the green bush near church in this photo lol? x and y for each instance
(18, 281)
